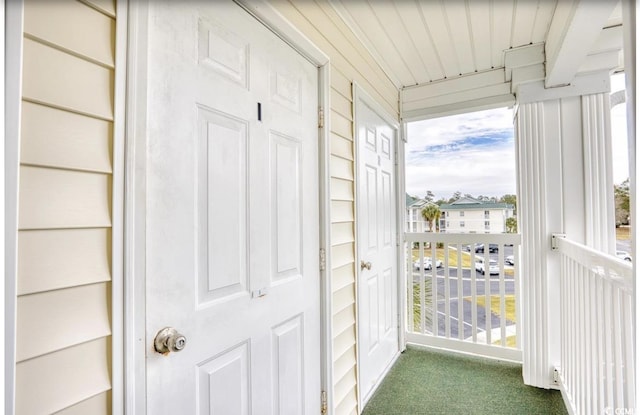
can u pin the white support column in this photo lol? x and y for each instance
(540, 211)
(598, 173)
(565, 186)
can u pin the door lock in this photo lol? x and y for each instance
(169, 340)
(364, 265)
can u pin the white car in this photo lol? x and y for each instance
(509, 260)
(427, 263)
(493, 266)
(623, 255)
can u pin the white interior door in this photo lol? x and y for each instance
(231, 215)
(377, 251)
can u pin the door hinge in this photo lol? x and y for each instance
(323, 405)
(320, 117)
(323, 259)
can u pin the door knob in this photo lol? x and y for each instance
(169, 340)
(364, 265)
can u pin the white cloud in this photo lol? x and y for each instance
(471, 153)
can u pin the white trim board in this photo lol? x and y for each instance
(12, 104)
(117, 208)
(135, 211)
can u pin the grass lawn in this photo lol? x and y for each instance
(509, 305)
(510, 312)
(623, 234)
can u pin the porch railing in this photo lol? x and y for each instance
(461, 299)
(597, 356)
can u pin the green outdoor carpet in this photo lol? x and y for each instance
(426, 381)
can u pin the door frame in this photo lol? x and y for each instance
(135, 193)
(360, 98)
(12, 70)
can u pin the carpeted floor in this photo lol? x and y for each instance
(425, 381)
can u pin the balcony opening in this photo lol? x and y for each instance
(463, 246)
(620, 163)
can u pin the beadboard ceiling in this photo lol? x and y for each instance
(417, 42)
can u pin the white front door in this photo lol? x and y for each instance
(377, 251)
(231, 215)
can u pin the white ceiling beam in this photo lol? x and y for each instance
(453, 85)
(583, 84)
(574, 29)
(522, 57)
(498, 101)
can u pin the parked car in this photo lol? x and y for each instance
(493, 248)
(493, 266)
(509, 260)
(623, 255)
(427, 263)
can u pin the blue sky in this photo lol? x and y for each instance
(475, 153)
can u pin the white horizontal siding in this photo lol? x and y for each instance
(52, 198)
(56, 138)
(60, 22)
(58, 319)
(66, 81)
(64, 306)
(99, 404)
(61, 258)
(58, 380)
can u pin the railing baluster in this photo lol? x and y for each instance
(460, 296)
(619, 356)
(439, 321)
(434, 291)
(487, 293)
(501, 287)
(447, 293)
(597, 357)
(422, 292)
(474, 304)
(410, 292)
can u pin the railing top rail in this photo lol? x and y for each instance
(608, 266)
(464, 238)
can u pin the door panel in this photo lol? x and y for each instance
(232, 215)
(377, 292)
(222, 205)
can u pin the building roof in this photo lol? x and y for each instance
(469, 203)
(409, 200)
(418, 203)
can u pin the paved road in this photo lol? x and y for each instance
(466, 285)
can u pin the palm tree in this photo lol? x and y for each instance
(431, 213)
(512, 224)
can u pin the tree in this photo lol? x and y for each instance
(621, 198)
(430, 196)
(512, 224)
(510, 199)
(455, 197)
(441, 201)
(431, 213)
